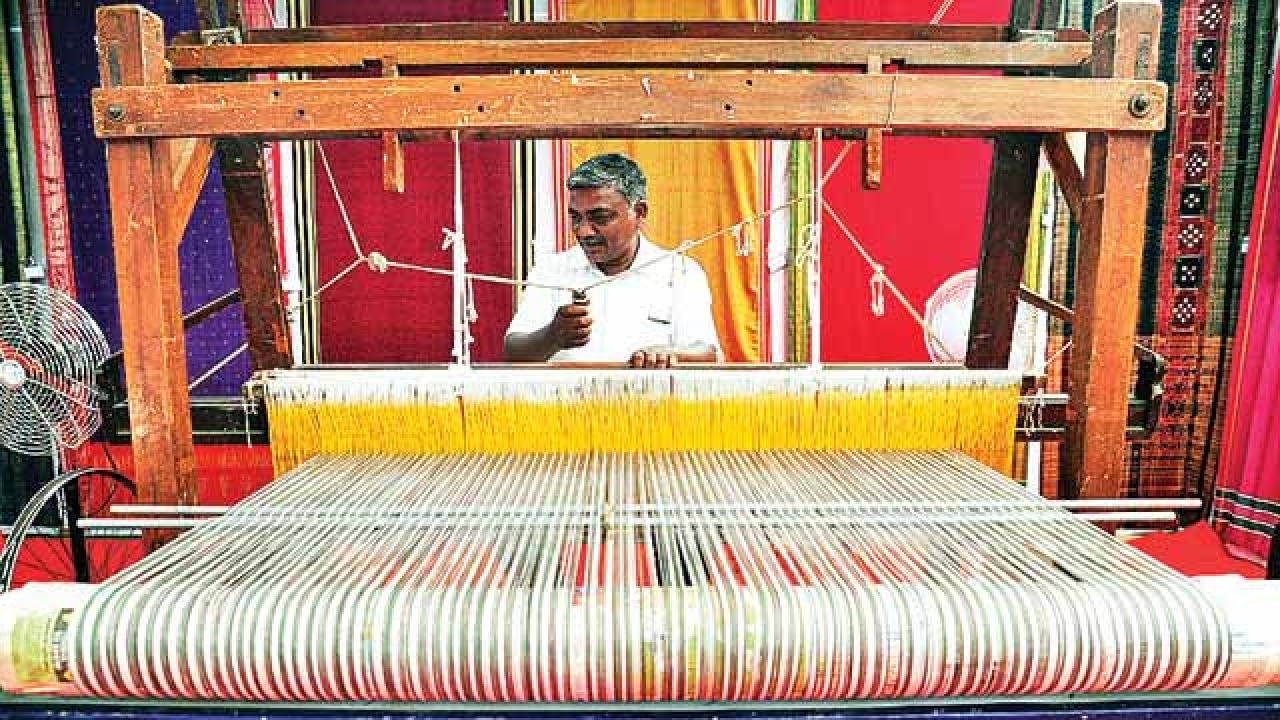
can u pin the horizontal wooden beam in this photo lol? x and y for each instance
(628, 52)
(625, 29)
(547, 105)
(605, 132)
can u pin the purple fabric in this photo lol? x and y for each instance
(207, 268)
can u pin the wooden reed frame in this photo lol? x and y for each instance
(160, 137)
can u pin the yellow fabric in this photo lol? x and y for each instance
(697, 187)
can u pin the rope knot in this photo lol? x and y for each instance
(878, 280)
(805, 254)
(377, 262)
(742, 238)
(451, 236)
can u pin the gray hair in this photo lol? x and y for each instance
(613, 170)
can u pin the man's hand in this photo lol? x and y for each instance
(571, 326)
(658, 356)
(666, 356)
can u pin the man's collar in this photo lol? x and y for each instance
(647, 252)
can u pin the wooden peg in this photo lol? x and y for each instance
(873, 146)
(392, 149)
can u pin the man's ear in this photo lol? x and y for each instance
(642, 209)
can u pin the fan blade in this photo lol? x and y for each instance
(59, 347)
(74, 419)
(16, 316)
(25, 430)
(78, 392)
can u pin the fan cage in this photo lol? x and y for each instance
(50, 350)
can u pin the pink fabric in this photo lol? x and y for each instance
(924, 224)
(1247, 503)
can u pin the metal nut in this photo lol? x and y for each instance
(1140, 105)
(115, 112)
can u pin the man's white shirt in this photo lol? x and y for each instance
(667, 302)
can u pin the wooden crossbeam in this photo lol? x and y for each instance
(548, 105)
(1066, 170)
(1010, 195)
(629, 52)
(731, 29)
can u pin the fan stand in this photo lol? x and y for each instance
(50, 349)
(69, 512)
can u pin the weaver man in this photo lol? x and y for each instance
(641, 306)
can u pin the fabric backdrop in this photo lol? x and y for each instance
(696, 187)
(1247, 501)
(924, 224)
(406, 316)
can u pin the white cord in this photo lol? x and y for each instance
(218, 366)
(942, 10)
(455, 240)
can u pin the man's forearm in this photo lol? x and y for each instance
(536, 346)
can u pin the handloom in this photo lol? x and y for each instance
(159, 130)
(810, 534)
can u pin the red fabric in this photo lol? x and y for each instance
(1248, 492)
(1195, 550)
(974, 12)
(225, 474)
(42, 98)
(923, 225)
(406, 316)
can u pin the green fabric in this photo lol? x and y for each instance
(1248, 58)
(801, 176)
(15, 247)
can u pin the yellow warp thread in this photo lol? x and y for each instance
(977, 419)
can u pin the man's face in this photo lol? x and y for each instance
(606, 226)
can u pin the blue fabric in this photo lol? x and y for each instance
(208, 269)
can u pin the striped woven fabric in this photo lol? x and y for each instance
(630, 577)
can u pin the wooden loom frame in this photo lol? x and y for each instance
(160, 135)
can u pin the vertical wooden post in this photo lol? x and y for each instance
(392, 149)
(213, 14)
(1010, 195)
(251, 225)
(146, 234)
(1109, 262)
(253, 244)
(1022, 16)
(873, 144)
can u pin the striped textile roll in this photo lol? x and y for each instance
(801, 575)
